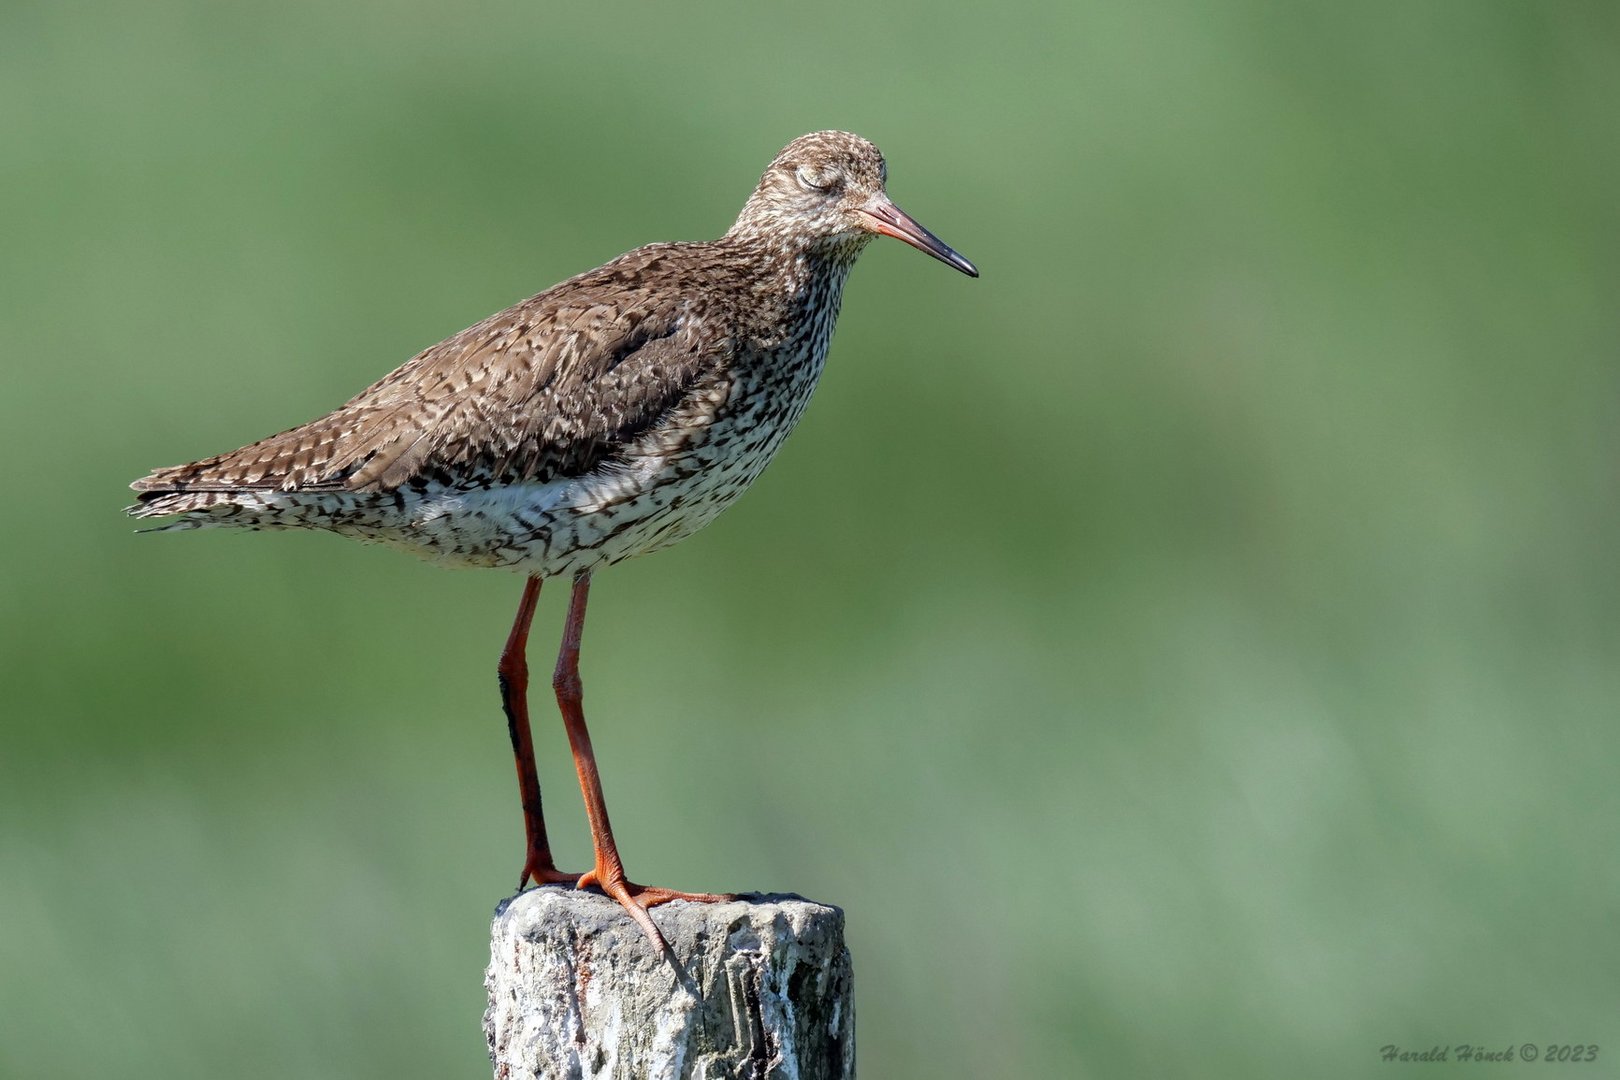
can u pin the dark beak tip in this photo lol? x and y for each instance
(950, 257)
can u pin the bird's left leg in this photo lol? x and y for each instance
(608, 873)
(514, 677)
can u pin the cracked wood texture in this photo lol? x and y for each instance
(761, 990)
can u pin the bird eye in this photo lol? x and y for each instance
(816, 179)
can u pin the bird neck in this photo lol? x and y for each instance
(796, 268)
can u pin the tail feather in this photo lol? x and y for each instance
(150, 504)
(202, 509)
(359, 513)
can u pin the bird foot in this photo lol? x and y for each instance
(538, 868)
(636, 899)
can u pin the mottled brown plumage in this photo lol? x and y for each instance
(544, 388)
(609, 416)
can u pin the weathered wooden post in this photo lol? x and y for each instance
(761, 989)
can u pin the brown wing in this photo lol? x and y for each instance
(547, 387)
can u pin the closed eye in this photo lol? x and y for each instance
(815, 179)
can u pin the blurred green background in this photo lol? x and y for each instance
(1188, 650)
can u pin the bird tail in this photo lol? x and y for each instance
(194, 509)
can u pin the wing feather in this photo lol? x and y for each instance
(547, 387)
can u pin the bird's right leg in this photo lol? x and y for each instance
(608, 873)
(514, 677)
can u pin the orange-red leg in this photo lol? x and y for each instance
(608, 873)
(514, 678)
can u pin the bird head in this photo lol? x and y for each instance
(825, 190)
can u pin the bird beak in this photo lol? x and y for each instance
(889, 220)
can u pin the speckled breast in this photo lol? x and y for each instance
(725, 443)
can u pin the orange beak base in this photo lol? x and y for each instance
(889, 220)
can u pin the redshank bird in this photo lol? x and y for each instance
(611, 415)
